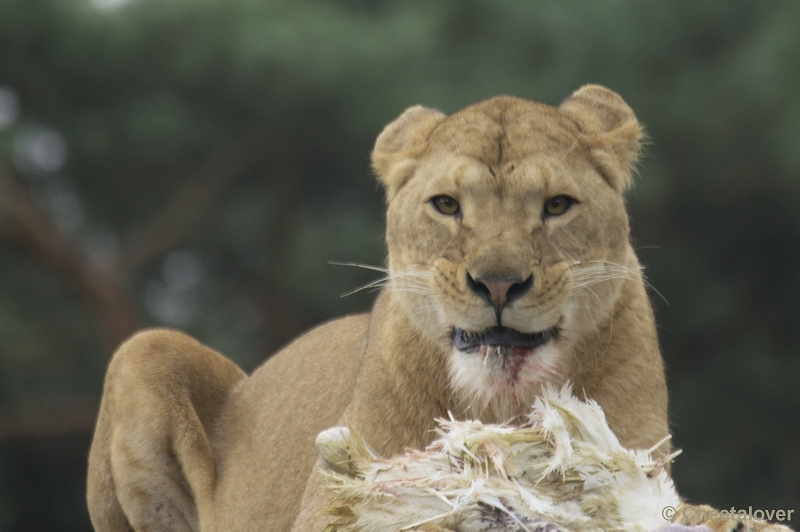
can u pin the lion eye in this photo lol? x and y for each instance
(558, 205)
(445, 205)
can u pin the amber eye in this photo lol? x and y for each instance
(445, 205)
(558, 205)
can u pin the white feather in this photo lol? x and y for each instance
(565, 470)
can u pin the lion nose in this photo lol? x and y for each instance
(499, 291)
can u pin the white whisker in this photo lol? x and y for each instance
(410, 280)
(359, 265)
(601, 270)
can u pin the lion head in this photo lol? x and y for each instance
(507, 233)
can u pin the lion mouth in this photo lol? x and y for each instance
(466, 341)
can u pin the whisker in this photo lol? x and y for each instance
(649, 285)
(359, 265)
(608, 270)
(410, 280)
(558, 160)
(377, 287)
(603, 276)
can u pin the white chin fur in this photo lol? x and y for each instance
(489, 391)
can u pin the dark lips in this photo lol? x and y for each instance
(501, 336)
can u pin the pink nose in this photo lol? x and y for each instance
(499, 291)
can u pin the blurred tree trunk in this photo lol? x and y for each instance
(26, 225)
(281, 320)
(195, 196)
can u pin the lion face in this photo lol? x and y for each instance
(507, 234)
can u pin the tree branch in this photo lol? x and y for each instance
(25, 423)
(166, 229)
(26, 225)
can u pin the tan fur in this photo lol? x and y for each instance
(186, 442)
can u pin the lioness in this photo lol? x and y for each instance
(509, 267)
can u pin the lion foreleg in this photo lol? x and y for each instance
(152, 465)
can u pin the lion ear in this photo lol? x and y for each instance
(610, 130)
(400, 143)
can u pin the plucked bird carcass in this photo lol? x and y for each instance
(562, 470)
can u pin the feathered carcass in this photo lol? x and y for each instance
(562, 470)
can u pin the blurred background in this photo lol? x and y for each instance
(197, 163)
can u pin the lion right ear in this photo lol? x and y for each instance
(400, 143)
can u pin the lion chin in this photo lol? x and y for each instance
(504, 370)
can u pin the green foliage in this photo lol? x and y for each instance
(157, 101)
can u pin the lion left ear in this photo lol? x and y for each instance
(610, 131)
